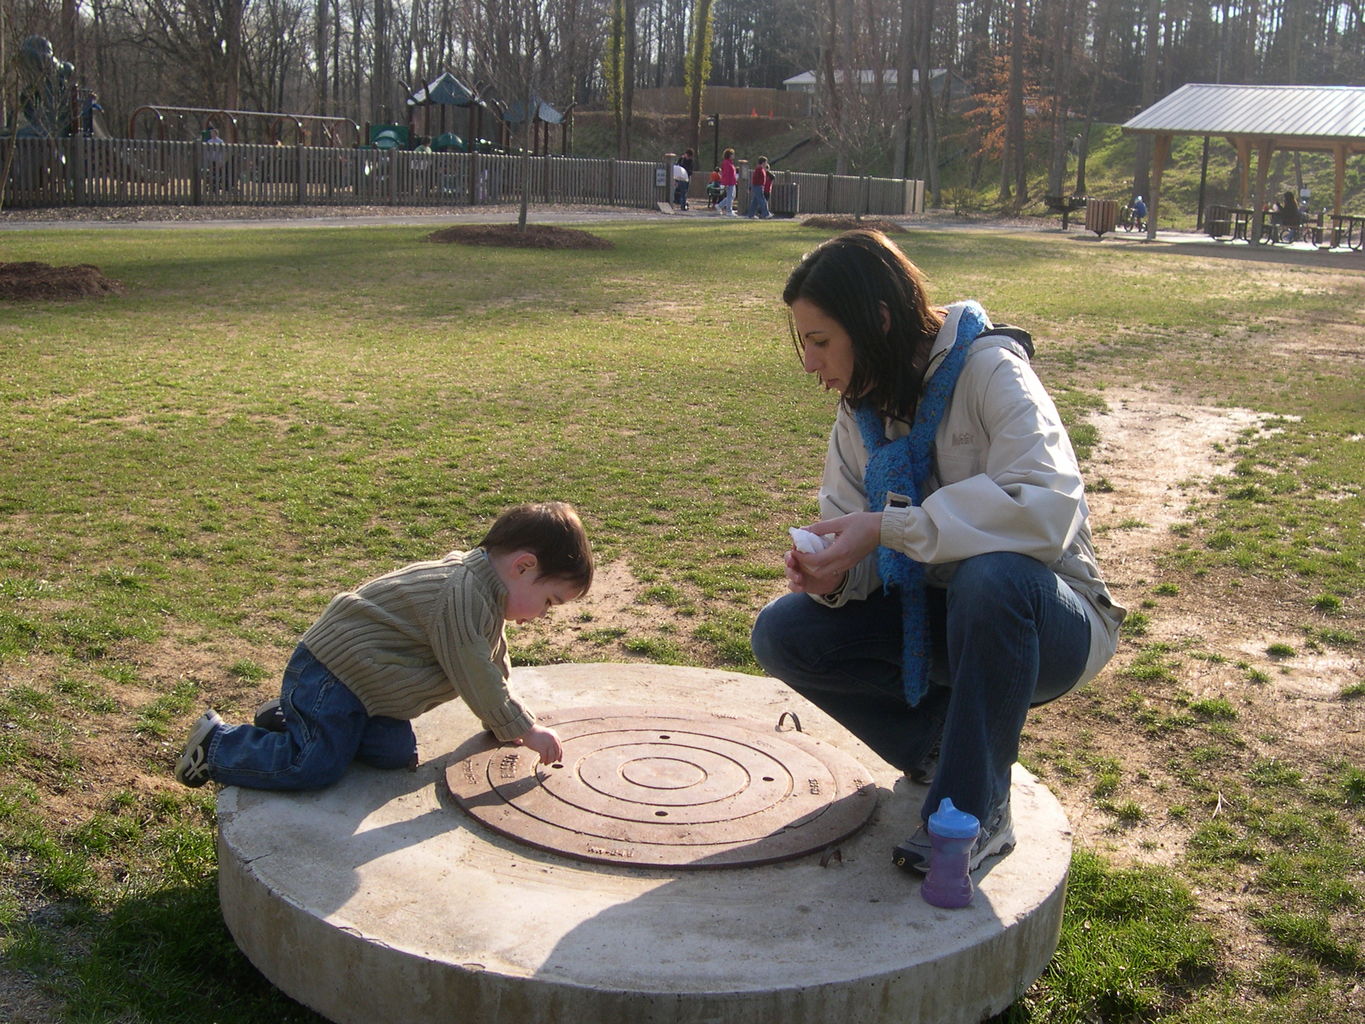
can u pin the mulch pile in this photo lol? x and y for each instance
(44, 281)
(536, 236)
(843, 222)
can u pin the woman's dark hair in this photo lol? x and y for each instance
(860, 279)
(550, 530)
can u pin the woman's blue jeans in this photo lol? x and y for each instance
(325, 729)
(1007, 634)
(758, 202)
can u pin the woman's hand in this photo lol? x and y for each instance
(853, 537)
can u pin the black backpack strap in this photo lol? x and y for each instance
(1017, 334)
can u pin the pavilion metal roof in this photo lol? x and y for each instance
(1320, 114)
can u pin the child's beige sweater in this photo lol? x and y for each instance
(422, 635)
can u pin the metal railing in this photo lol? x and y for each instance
(127, 172)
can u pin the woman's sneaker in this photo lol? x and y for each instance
(995, 840)
(270, 715)
(192, 769)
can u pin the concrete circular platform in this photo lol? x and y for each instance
(381, 900)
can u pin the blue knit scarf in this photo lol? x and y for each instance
(904, 466)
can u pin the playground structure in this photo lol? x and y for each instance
(453, 117)
(49, 158)
(50, 108)
(47, 96)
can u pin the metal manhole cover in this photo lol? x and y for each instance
(664, 787)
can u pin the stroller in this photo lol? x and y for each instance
(715, 192)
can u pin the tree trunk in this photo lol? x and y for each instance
(1062, 35)
(928, 123)
(905, 92)
(379, 68)
(320, 53)
(1102, 30)
(527, 128)
(1014, 113)
(1143, 157)
(232, 52)
(627, 75)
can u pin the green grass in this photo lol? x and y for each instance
(192, 469)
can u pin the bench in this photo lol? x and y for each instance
(1228, 222)
(1065, 205)
(1348, 230)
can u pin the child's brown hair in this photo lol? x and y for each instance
(550, 530)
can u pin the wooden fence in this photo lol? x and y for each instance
(130, 172)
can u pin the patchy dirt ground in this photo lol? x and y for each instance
(31, 280)
(843, 223)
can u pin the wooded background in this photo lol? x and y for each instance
(1033, 69)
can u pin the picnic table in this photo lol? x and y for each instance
(1231, 222)
(1065, 205)
(1349, 230)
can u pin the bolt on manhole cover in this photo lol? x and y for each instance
(664, 787)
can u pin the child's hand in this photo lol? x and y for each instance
(543, 741)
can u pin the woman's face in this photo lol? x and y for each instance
(826, 348)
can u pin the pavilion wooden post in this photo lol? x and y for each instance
(1243, 148)
(1161, 153)
(1339, 186)
(1263, 147)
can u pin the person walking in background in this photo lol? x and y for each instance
(761, 186)
(215, 156)
(714, 189)
(89, 109)
(687, 163)
(729, 179)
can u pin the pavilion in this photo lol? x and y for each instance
(1263, 118)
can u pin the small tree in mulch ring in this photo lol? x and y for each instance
(848, 222)
(533, 236)
(44, 281)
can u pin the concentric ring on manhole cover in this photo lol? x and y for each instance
(665, 787)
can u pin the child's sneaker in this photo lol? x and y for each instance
(996, 840)
(192, 769)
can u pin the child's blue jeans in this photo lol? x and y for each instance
(325, 729)
(1007, 634)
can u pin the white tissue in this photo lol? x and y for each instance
(808, 543)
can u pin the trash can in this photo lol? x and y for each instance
(786, 200)
(1101, 215)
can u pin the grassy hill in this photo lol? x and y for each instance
(796, 146)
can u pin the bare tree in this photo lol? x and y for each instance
(857, 98)
(511, 46)
(1061, 30)
(927, 116)
(698, 66)
(1014, 159)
